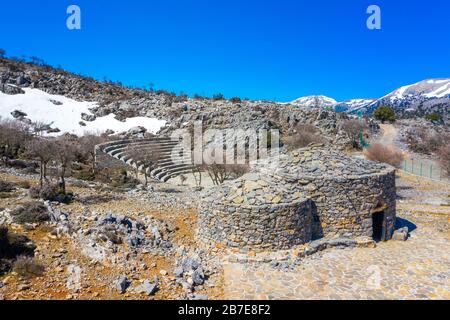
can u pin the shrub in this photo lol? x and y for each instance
(6, 195)
(238, 170)
(48, 192)
(18, 164)
(385, 114)
(86, 175)
(6, 186)
(353, 129)
(236, 100)
(31, 212)
(434, 117)
(385, 154)
(29, 170)
(423, 141)
(306, 135)
(198, 97)
(122, 180)
(27, 267)
(34, 192)
(12, 245)
(218, 96)
(24, 185)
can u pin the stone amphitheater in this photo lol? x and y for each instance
(308, 194)
(117, 154)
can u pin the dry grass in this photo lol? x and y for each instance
(384, 154)
(444, 159)
(305, 135)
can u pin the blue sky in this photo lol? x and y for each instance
(261, 49)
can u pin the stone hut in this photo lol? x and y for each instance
(308, 194)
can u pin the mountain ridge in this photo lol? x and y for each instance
(418, 99)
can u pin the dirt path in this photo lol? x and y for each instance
(415, 164)
(390, 133)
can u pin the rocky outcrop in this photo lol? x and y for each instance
(11, 90)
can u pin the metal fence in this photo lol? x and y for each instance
(423, 169)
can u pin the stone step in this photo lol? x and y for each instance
(166, 163)
(163, 153)
(166, 168)
(108, 148)
(173, 171)
(156, 146)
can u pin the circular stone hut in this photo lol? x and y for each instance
(308, 194)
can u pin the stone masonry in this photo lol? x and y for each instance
(309, 194)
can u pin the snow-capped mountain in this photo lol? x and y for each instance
(419, 99)
(315, 101)
(433, 88)
(354, 104)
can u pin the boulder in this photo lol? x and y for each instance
(401, 234)
(88, 117)
(198, 277)
(147, 288)
(17, 114)
(22, 81)
(10, 89)
(178, 272)
(122, 284)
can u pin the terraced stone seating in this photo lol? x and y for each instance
(167, 167)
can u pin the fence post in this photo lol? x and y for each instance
(421, 169)
(431, 171)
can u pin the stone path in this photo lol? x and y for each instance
(416, 269)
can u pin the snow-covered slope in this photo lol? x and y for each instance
(354, 104)
(417, 99)
(315, 101)
(65, 114)
(434, 88)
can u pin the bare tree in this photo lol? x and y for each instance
(353, 129)
(219, 173)
(148, 158)
(2, 53)
(40, 127)
(88, 144)
(42, 150)
(13, 137)
(67, 148)
(197, 174)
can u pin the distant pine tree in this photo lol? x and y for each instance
(384, 114)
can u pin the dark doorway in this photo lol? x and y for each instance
(378, 226)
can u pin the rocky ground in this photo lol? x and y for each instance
(107, 245)
(140, 245)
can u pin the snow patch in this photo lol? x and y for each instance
(65, 113)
